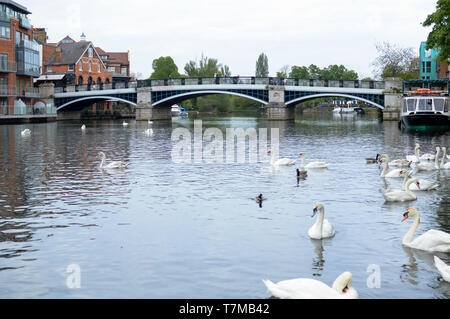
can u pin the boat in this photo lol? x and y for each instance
(178, 110)
(337, 110)
(425, 108)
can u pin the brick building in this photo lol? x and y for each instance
(19, 61)
(118, 63)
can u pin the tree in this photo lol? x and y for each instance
(225, 71)
(314, 72)
(284, 71)
(163, 68)
(299, 72)
(338, 72)
(439, 37)
(262, 66)
(392, 61)
(206, 67)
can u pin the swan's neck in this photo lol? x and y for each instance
(436, 160)
(320, 218)
(272, 159)
(444, 157)
(410, 234)
(303, 160)
(408, 183)
(385, 169)
(405, 181)
(417, 153)
(103, 161)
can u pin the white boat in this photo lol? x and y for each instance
(178, 110)
(348, 110)
(337, 110)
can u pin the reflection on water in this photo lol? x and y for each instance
(163, 230)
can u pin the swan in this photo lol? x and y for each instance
(432, 240)
(125, 123)
(400, 163)
(443, 164)
(322, 228)
(402, 195)
(427, 157)
(26, 132)
(395, 173)
(150, 122)
(83, 127)
(149, 132)
(305, 288)
(443, 268)
(312, 164)
(281, 161)
(116, 164)
(414, 158)
(429, 166)
(421, 185)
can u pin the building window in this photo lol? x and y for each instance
(90, 67)
(70, 68)
(428, 67)
(91, 53)
(124, 71)
(80, 66)
(18, 37)
(99, 68)
(3, 61)
(5, 32)
(49, 68)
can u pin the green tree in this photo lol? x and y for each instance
(299, 72)
(314, 72)
(338, 72)
(439, 37)
(163, 68)
(225, 71)
(262, 66)
(206, 67)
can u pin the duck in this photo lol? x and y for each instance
(306, 288)
(26, 132)
(312, 164)
(281, 161)
(395, 173)
(116, 164)
(443, 268)
(394, 195)
(414, 158)
(322, 228)
(429, 166)
(301, 174)
(432, 241)
(372, 160)
(444, 157)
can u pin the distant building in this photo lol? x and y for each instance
(19, 60)
(430, 68)
(118, 63)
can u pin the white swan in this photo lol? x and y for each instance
(305, 288)
(443, 268)
(26, 132)
(414, 158)
(322, 228)
(444, 157)
(395, 173)
(149, 132)
(401, 195)
(429, 166)
(83, 127)
(281, 161)
(432, 240)
(421, 185)
(312, 164)
(427, 157)
(116, 164)
(125, 123)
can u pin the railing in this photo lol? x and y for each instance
(7, 66)
(7, 110)
(28, 45)
(13, 91)
(95, 87)
(262, 81)
(25, 23)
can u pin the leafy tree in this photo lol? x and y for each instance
(439, 37)
(299, 72)
(392, 61)
(206, 67)
(338, 72)
(314, 72)
(262, 66)
(284, 72)
(163, 68)
(225, 71)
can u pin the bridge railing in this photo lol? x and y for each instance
(261, 81)
(95, 87)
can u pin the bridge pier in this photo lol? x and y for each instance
(277, 109)
(66, 116)
(392, 99)
(145, 111)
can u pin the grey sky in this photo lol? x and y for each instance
(292, 32)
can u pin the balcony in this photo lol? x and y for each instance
(26, 93)
(6, 91)
(27, 44)
(25, 23)
(8, 67)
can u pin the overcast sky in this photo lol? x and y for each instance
(290, 32)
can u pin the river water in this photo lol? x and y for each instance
(160, 229)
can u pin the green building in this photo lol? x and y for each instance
(428, 64)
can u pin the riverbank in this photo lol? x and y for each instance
(23, 119)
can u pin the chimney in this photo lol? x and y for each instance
(58, 55)
(83, 37)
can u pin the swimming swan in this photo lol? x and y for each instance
(305, 288)
(395, 173)
(116, 164)
(443, 268)
(421, 185)
(312, 164)
(26, 132)
(429, 166)
(322, 228)
(281, 161)
(83, 127)
(432, 240)
(402, 195)
(125, 123)
(414, 158)
(444, 157)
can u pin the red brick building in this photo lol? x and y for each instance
(19, 61)
(118, 63)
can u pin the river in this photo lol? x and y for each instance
(163, 229)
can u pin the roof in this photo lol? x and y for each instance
(114, 57)
(70, 53)
(51, 77)
(16, 6)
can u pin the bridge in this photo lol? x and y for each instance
(153, 98)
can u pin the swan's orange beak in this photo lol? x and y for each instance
(314, 212)
(418, 185)
(345, 290)
(405, 216)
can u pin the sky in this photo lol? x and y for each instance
(289, 32)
